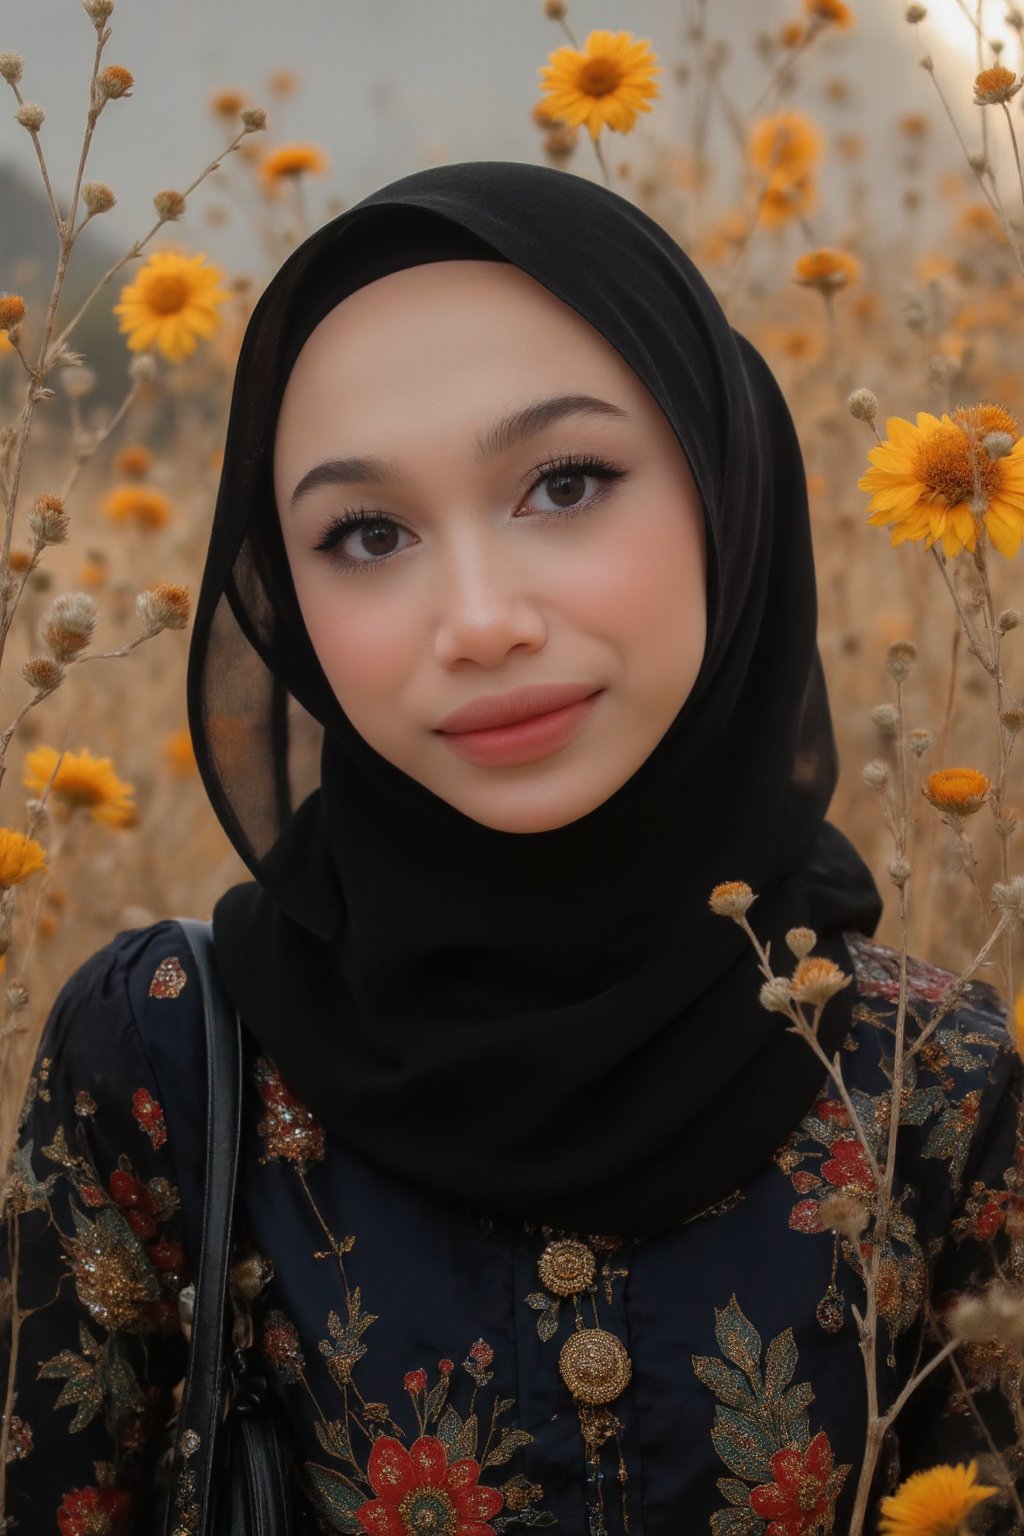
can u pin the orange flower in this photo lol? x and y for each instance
(179, 754)
(82, 781)
(834, 12)
(227, 103)
(12, 310)
(957, 791)
(291, 161)
(995, 86)
(827, 269)
(731, 898)
(784, 200)
(140, 504)
(785, 147)
(134, 461)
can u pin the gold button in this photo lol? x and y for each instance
(566, 1267)
(594, 1365)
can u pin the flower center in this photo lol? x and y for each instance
(428, 1512)
(808, 1494)
(167, 293)
(598, 77)
(953, 470)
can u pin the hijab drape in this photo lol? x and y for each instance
(549, 1026)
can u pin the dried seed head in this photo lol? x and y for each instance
(997, 444)
(169, 204)
(98, 197)
(899, 659)
(775, 995)
(12, 67)
(1008, 619)
(915, 316)
(863, 404)
(919, 741)
(915, 13)
(555, 10)
(12, 310)
(78, 383)
(99, 11)
(31, 116)
(17, 996)
(254, 119)
(1013, 719)
(42, 673)
(167, 606)
(68, 624)
(114, 82)
(731, 899)
(843, 1212)
(48, 520)
(1006, 825)
(876, 773)
(997, 1312)
(886, 718)
(816, 979)
(1009, 897)
(957, 791)
(142, 368)
(801, 941)
(899, 872)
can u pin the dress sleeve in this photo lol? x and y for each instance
(91, 1262)
(985, 1238)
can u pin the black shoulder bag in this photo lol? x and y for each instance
(230, 1473)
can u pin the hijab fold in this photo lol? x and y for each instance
(549, 1026)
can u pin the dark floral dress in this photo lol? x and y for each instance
(449, 1372)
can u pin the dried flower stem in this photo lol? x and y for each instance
(954, 993)
(1016, 150)
(1009, 1486)
(34, 135)
(16, 1319)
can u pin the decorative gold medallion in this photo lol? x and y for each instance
(594, 1365)
(566, 1267)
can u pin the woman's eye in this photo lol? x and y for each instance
(362, 539)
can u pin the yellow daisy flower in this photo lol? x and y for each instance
(20, 857)
(140, 504)
(173, 300)
(605, 86)
(290, 161)
(933, 1503)
(82, 782)
(936, 481)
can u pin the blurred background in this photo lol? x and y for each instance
(886, 165)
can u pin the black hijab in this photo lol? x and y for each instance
(550, 1026)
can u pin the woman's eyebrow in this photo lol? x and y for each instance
(505, 433)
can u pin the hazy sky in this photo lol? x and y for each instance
(390, 85)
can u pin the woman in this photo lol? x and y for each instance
(527, 1218)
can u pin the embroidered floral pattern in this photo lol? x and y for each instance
(417, 1490)
(149, 1116)
(762, 1434)
(288, 1130)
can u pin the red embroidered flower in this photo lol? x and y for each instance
(830, 1109)
(288, 1129)
(804, 1216)
(135, 1200)
(94, 1512)
(798, 1499)
(417, 1490)
(415, 1381)
(282, 1346)
(848, 1167)
(93, 1194)
(149, 1116)
(446, 1367)
(804, 1182)
(990, 1218)
(481, 1352)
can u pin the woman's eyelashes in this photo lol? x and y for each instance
(378, 530)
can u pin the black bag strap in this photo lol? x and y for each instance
(199, 1416)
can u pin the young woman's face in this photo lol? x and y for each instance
(486, 563)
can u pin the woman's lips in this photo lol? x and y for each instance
(509, 745)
